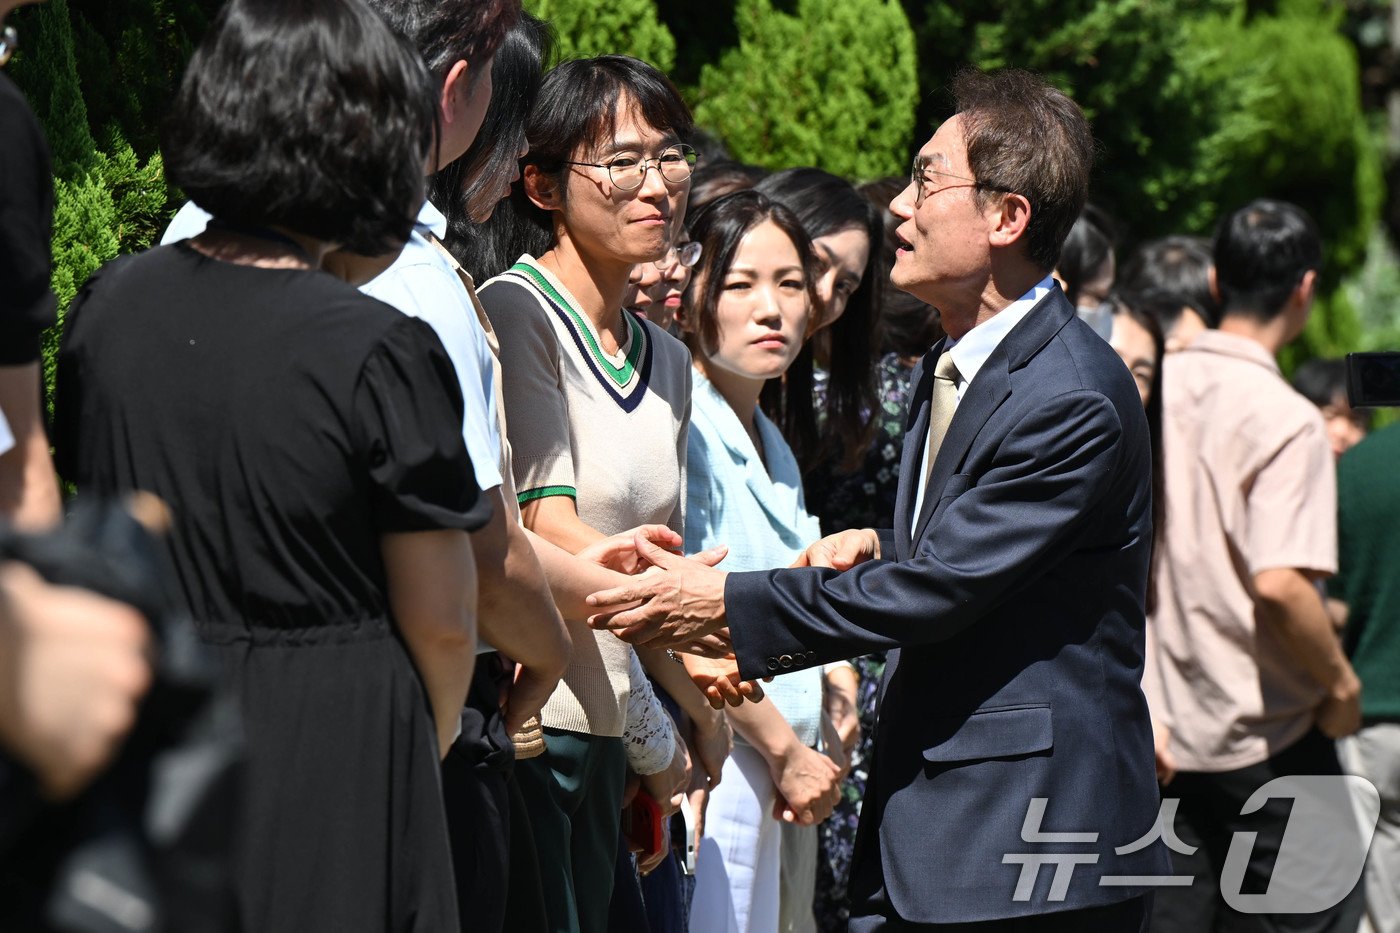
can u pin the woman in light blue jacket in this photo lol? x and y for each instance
(749, 308)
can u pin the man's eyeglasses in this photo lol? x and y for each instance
(686, 255)
(628, 172)
(918, 177)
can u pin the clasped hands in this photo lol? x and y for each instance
(677, 602)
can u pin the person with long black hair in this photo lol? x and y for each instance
(847, 232)
(308, 441)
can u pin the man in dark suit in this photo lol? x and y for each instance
(1013, 765)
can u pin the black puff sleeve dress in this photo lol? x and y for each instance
(289, 422)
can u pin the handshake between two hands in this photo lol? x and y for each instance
(677, 602)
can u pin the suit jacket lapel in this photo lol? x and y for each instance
(987, 391)
(911, 461)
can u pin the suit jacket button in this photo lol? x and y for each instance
(785, 661)
(772, 664)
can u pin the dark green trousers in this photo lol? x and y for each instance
(574, 794)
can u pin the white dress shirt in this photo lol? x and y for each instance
(971, 353)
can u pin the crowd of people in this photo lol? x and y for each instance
(486, 407)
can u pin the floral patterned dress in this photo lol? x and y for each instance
(864, 499)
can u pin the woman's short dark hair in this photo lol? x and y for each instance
(719, 228)
(468, 190)
(448, 31)
(1087, 247)
(1178, 266)
(308, 114)
(1025, 136)
(578, 106)
(909, 326)
(1261, 252)
(827, 204)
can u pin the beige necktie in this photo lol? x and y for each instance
(941, 407)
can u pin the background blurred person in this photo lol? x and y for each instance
(745, 318)
(308, 440)
(866, 499)
(656, 289)
(1253, 684)
(1087, 268)
(604, 188)
(1138, 340)
(1178, 266)
(1367, 585)
(846, 232)
(1324, 383)
(28, 487)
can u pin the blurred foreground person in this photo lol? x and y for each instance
(1368, 586)
(28, 487)
(1254, 684)
(308, 441)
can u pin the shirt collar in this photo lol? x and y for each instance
(971, 353)
(1226, 344)
(430, 219)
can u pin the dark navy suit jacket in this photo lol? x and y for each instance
(1015, 609)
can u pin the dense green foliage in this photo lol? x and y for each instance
(583, 30)
(94, 100)
(828, 84)
(1199, 105)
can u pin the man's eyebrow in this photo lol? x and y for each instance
(636, 145)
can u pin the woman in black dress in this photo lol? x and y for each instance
(308, 442)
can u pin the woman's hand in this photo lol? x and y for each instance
(808, 785)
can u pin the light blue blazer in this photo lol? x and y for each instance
(732, 499)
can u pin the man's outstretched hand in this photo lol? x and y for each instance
(680, 604)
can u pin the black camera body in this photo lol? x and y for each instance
(149, 845)
(1373, 380)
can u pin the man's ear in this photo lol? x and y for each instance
(1307, 288)
(1010, 220)
(455, 87)
(541, 189)
(1214, 284)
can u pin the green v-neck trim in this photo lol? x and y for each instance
(621, 375)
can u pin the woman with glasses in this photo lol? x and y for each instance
(598, 404)
(655, 288)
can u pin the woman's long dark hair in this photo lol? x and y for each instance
(468, 190)
(827, 204)
(909, 326)
(1141, 309)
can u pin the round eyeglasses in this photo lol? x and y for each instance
(628, 172)
(686, 255)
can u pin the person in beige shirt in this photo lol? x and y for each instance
(1248, 674)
